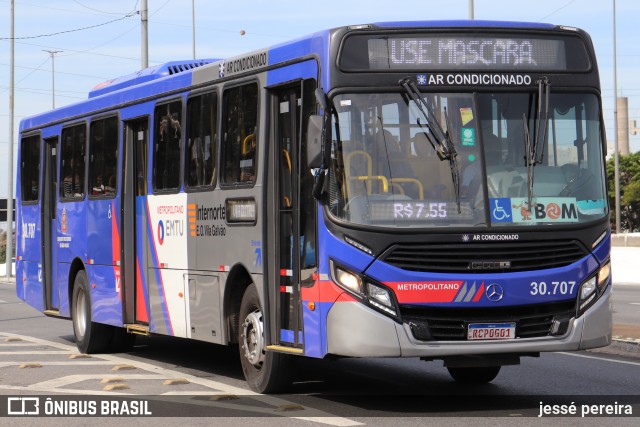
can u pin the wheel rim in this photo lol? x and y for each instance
(253, 339)
(80, 319)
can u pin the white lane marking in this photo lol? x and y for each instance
(17, 344)
(72, 379)
(164, 373)
(335, 421)
(600, 358)
(69, 363)
(634, 303)
(64, 353)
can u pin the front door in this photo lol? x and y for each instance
(295, 216)
(49, 233)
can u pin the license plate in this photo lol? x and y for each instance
(491, 331)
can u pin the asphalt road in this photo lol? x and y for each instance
(335, 392)
(626, 304)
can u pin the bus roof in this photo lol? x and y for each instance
(147, 74)
(463, 23)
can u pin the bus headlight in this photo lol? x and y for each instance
(603, 275)
(593, 287)
(587, 289)
(381, 298)
(346, 279)
(376, 296)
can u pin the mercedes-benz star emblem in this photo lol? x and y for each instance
(494, 292)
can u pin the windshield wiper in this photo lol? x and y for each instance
(534, 152)
(439, 139)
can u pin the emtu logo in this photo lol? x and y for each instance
(160, 232)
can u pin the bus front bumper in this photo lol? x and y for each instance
(355, 330)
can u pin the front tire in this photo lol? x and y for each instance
(265, 371)
(481, 375)
(91, 337)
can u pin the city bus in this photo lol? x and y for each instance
(430, 189)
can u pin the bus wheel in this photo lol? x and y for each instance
(480, 375)
(265, 371)
(91, 337)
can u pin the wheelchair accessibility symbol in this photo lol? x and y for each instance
(501, 210)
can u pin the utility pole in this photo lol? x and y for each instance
(9, 252)
(144, 19)
(471, 14)
(193, 26)
(53, 76)
(615, 121)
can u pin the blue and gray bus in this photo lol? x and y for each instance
(405, 189)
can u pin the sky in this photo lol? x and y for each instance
(89, 56)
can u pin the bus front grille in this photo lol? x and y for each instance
(483, 257)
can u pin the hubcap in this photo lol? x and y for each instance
(81, 315)
(253, 339)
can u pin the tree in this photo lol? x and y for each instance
(629, 191)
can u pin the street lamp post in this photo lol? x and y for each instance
(53, 76)
(615, 121)
(144, 25)
(9, 235)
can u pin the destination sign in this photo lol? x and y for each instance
(464, 52)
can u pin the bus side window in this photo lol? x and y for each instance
(239, 134)
(30, 168)
(201, 144)
(103, 157)
(72, 162)
(166, 146)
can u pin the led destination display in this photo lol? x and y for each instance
(464, 52)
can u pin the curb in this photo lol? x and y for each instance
(631, 345)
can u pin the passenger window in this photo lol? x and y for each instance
(166, 146)
(103, 157)
(72, 162)
(239, 135)
(202, 128)
(30, 168)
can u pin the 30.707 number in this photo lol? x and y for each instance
(553, 288)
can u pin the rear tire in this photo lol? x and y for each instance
(265, 371)
(91, 337)
(481, 375)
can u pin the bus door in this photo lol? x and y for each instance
(133, 223)
(49, 229)
(294, 214)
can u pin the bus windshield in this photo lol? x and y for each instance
(389, 169)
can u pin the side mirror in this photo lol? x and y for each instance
(314, 141)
